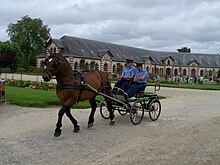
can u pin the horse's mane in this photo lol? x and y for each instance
(66, 62)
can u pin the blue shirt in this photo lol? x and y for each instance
(129, 71)
(140, 73)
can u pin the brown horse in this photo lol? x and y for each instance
(72, 87)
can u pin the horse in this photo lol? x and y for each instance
(73, 86)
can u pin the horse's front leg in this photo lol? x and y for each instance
(59, 121)
(92, 113)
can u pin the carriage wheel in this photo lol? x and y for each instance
(104, 110)
(122, 111)
(154, 109)
(137, 112)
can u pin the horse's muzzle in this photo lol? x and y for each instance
(46, 78)
(47, 75)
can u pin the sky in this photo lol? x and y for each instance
(161, 25)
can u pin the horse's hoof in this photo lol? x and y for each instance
(76, 129)
(112, 122)
(90, 125)
(57, 132)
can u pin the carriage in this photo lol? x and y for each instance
(135, 106)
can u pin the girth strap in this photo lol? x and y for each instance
(68, 86)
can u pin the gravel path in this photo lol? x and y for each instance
(187, 132)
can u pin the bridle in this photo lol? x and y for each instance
(49, 59)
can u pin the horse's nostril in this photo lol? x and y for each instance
(46, 79)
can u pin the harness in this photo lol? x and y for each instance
(72, 86)
(81, 86)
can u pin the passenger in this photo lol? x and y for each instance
(139, 82)
(127, 76)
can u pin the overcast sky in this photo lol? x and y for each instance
(163, 25)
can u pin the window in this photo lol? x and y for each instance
(114, 69)
(168, 71)
(96, 66)
(175, 72)
(106, 67)
(184, 72)
(75, 65)
(201, 73)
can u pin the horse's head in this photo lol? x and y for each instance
(52, 67)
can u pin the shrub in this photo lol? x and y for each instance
(37, 70)
(31, 84)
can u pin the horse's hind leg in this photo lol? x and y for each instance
(92, 113)
(108, 91)
(109, 106)
(73, 120)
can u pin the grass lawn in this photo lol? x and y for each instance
(207, 86)
(28, 97)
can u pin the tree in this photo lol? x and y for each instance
(21, 70)
(81, 65)
(10, 55)
(30, 35)
(184, 49)
(92, 65)
(219, 73)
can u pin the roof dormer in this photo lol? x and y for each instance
(106, 55)
(168, 60)
(193, 63)
(148, 60)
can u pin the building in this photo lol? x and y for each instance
(85, 55)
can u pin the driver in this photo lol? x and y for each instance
(127, 76)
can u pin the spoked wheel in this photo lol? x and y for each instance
(122, 111)
(104, 110)
(154, 109)
(137, 112)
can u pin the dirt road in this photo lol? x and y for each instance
(187, 132)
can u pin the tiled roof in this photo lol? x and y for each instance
(85, 48)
